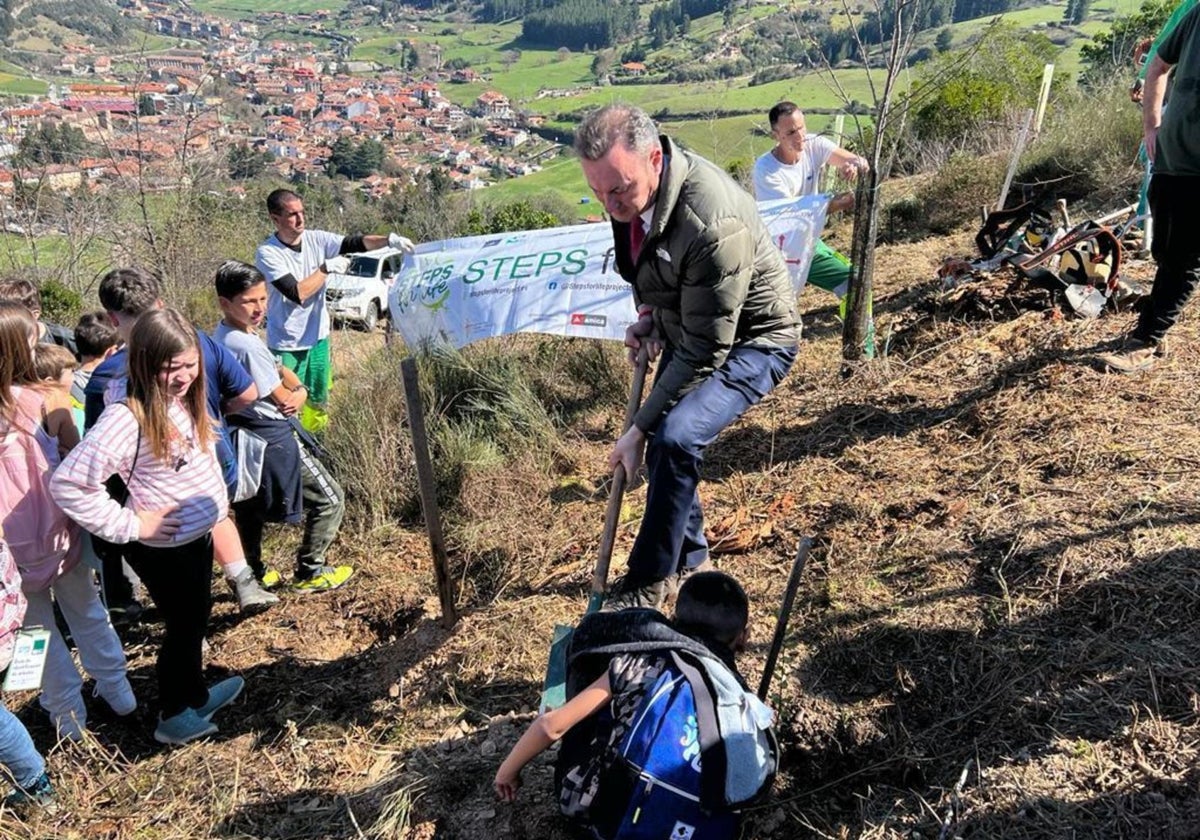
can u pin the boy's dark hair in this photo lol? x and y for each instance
(276, 198)
(235, 277)
(781, 110)
(19, 290)
(712, 605)
(130, 291)
(94, 334)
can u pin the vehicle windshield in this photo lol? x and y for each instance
(362, 267)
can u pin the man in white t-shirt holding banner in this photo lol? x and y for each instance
(297, 262)
(793, 169)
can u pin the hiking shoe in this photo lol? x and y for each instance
(184, 727)
(1136, 355)
(638, 593)
(270, 579)
(40, 794)
(328, 577)
(251, 596)
(221, 695)
(119, 696)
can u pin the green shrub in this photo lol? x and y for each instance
(60, 304)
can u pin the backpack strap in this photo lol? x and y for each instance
(713, 760)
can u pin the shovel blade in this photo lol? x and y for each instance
(554, 689)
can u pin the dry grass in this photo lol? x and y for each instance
(1005, 581)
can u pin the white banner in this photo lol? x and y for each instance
(561, 281)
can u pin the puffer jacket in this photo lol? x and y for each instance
(712, 274)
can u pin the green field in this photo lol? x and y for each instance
(247, 9)
(21, 85)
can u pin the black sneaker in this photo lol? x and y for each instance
(639, 593)
(125, 613)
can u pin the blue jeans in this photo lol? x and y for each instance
(17, 753)
(671, 536)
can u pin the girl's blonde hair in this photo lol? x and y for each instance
(50, 360)
(157, 337)
(17, 329)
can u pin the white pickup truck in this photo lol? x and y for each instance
(361, 294)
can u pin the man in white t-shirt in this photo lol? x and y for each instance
(297, 262)
(793, 169)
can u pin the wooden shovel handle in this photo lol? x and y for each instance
(785, 612)
(612, 514)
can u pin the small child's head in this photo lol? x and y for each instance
(241, 294)
(95, 335)
(713, 605)
(54, 365)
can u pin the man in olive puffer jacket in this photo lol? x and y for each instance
(713, 296)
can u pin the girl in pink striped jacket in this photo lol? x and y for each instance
(159, 441)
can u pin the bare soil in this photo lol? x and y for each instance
(996, 635)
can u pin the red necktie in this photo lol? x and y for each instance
(636, 237)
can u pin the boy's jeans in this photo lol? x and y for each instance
(17, 753)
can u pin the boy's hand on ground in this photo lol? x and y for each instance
(161, 524)
(507, 786)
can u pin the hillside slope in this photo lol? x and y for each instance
(1006, 586)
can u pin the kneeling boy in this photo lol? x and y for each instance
(643, 658)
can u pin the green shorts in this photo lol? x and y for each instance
(314, 368)
(829, 270)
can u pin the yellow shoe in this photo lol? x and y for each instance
(271, 579)
(330, 577)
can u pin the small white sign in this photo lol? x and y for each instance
(29, 659)
(682, 831)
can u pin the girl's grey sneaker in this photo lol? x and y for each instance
(182, 728)
(40, 794)
(250, 594)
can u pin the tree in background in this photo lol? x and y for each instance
(355, 160)
(1109, 53)
(961, 93)
(52, 143)
(247, 162)
(944, 40)
(1076, 11)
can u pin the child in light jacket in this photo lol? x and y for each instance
(160, 441)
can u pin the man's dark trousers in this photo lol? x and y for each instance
(672, 533)
(1175, 207)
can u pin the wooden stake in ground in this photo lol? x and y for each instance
(1018, 148)
(1043, 98)
(428, 489)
